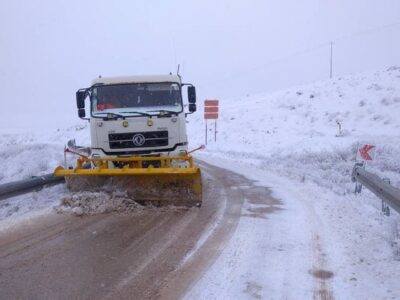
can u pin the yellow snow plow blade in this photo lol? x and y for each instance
(142, 178)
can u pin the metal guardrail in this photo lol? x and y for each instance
(380, 187)
(15, 188)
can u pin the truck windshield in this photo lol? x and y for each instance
(125, 99)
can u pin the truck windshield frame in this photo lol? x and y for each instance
(145, 98)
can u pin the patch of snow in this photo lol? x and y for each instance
(92, 203)
(28, 203)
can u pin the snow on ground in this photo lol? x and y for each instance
(294, 135)
(30, 153)
(300, 142)
(92, 203)
(265, 257)
(26, 153)
(316, 229)
(25, 204)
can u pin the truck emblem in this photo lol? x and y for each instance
(138, 139)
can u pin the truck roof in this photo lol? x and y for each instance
(137, 79)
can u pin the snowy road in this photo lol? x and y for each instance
(243, 243)
(154, 253)
(320, 242)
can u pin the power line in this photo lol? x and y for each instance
(357, 34)
(270, 63)
(331, 61)
(367, 31)
(307, 50)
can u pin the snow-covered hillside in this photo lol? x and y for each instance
(296, 132)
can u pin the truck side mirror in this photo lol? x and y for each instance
(191, 94)
(192, 107)
(80, 98)
(81, 113)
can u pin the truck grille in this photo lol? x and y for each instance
(138, 139)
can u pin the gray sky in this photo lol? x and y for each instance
(228, 49)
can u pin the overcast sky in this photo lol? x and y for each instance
(228, 49)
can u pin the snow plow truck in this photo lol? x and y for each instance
(138, 140)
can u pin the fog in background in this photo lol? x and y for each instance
(228, 49)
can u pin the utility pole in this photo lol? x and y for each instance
(331, 60)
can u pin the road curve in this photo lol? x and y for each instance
(158, 253)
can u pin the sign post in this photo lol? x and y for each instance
(215, 130)
(206, 132)
(211, 109)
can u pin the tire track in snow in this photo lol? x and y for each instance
(322, 289)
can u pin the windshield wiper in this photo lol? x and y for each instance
(110, 114)
(164, 111)
(136, 112)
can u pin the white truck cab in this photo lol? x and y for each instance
(137, 115)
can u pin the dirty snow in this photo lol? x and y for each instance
(92, 203)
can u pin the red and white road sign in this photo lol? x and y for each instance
(211, 109)
(211, 102)
(367, 152)
(211, 116)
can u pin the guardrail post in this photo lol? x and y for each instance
(385, 206)
(358, 186)
(380, 187)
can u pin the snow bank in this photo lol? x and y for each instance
(24, 153)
